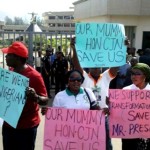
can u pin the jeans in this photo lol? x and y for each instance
(108, 139)
(19, 139)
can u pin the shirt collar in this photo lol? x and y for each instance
(135, 87)
(70, 93)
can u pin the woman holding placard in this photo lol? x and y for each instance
(140, 76)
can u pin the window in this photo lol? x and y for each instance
(52, 24)
(51, 17)
(72, 17)
(66, 24)
(66, 17)
(72, 25)
(60, 17)
(60, 25)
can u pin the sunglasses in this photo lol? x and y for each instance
(136, 74)
(75, 79)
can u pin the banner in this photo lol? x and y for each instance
(100, 44)
(12, 95)
(73, 129)
(129, 113)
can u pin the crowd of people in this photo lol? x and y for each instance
(71, 82)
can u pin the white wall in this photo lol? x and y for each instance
(127, 12)
(90, 8)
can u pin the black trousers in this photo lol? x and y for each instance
(19, 139)
(59, 82)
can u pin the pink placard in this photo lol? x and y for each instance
(129, 113)
(72, 129)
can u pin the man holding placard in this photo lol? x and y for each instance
(99, 45)
(24, 135)
(92, 81)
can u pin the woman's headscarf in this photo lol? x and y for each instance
(145, 69)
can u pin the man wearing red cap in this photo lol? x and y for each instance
(23, 137)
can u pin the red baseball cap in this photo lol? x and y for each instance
(17, 48)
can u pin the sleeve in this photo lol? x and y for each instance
(56, 101)
(107, 78)
(37, 83)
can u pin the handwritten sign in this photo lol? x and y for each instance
(130, 113)
(12, 95)
(72, 129)
(100, 44)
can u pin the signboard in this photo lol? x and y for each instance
(100, 44)
(73, 129)
(129, 113)
(12, 95)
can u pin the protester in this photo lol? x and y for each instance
(122, 74)
(128, 81)
(52, 58)
(46, 70)
(60, 68)
(140, 52)
(145, 58)
(140, 76)
(24, 135)
(131, 51)
(99, 84)
(75, 96)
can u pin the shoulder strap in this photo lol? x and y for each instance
(93, 105)
(88, 97)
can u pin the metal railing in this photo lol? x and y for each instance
(36, 41)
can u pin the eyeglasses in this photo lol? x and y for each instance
(75, 79)
(136, 74)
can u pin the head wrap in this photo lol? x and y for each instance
(145, 69)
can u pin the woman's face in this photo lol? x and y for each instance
(138, 77)
(75, 81)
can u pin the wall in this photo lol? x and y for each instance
(128, 12)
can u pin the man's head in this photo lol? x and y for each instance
(17, 54)
(147, 51)
(60, 55)
(134, 61)
(131, 51)
(48, 52)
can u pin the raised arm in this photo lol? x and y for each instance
(75, 60)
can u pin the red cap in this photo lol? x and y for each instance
(17, 48)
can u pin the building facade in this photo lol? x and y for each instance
(53, 22)
(59, 21)
(134, 14)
